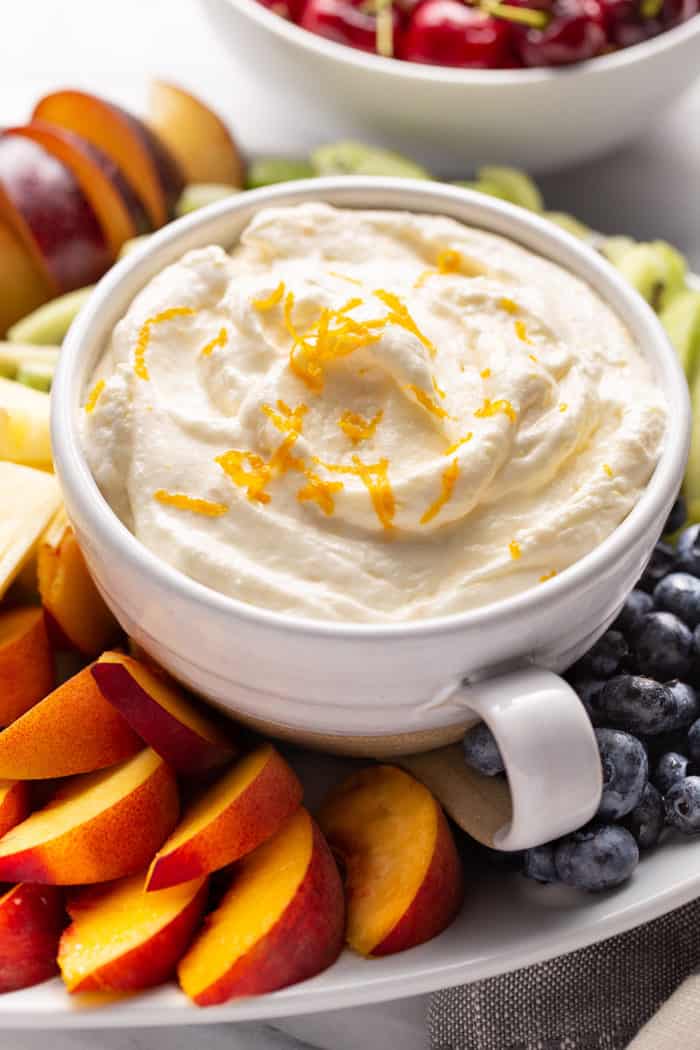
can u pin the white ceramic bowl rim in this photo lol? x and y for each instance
(363, 61)
(407, 194)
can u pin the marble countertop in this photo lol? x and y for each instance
(646, 189)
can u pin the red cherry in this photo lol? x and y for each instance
(674, 12)
(289, 9)
(576, 32)
(447, 33)
(625, 23)
(347, 22)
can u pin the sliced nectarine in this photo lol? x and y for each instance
(97, 827)
(147, 165)
(26, 662)
(162, 716)
(234, 816)
(403, 874)
(72, 730)
(14, 804)
(123, 939)
(280, 921)
(31, 920)
(198, 139)
(67, 592)
(23, 284)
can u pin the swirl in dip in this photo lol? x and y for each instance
(371, 416)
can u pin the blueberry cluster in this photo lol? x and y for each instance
(638, 684)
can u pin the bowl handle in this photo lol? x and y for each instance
(549, 750)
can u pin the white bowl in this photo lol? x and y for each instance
(399, 687)
(455, 119)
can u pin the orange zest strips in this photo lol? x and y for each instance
(144, 337)
(437, 388)
(399, 315)
(548, 576)
(287, 420)
(254, 479)
(333, 335)
(319, 492)
(485, 373)
(94, 396)
(427, 402)
(375, 478)
(515, 551)
(563, 406)
(508, 305)
(271, 300)
(356, 427)
(345, 277)
(220, 340)
(458, 444)
(198, 506)
(448, 481)
(493, 408)
(449, 260)
(608, 469)
(521, 332)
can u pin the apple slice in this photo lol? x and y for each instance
(26, 662)
(24, 284)
(280, 921)
(234, 816)
(404, 878)
(24, 425)
(24, 520)
(68, 593)
(31, 920)
(195, 135)
(123, 939)
(73, 730)
(144, 160)
(162, 716)
(14, 804)
(97, 827)
(41, 200)
(119, 211)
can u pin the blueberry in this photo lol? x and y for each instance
(683, 805)
(670, 768)
(538, 863)
(481, 751)
(688, 550)
(688, 701)
(597, 857)
(638, 705)
(588, 690)
(638, 604)
(625, 772)
(663, 647)
(679, 593)
(605, 657)
(694, 741)
(677, 517)
(646, 821)
(662, 561)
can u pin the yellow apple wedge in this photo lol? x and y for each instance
(22, 522)
(26, 662)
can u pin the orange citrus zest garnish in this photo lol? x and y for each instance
(356, 427)
(448, 481)
(198, 506)
(492, 408)
(271, 300)
(94, 396)
(374, 477)
(220, 340)
(144, 337)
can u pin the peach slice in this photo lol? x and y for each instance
(68, 593)
(159, 712)
(97, 827)
(31, 920)
(14, 804)
(23, 282)
(280, 921)
(146, 163)
(123, 939)
(238, 813)
(72, 730)
(403, 874)
(26, 662)
(195, 135)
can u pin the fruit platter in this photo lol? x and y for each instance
(164, 865)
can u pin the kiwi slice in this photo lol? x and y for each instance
(655, 269)
(266, 171)
(514, 185)
(355, 158)
(49, 323)
(198, 194)
(681, 319)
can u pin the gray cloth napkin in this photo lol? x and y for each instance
(594, 999)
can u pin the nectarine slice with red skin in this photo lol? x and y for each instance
(239, 812)
(72, 730)
(24, 283)
(198, 139)
(31, 920)
(403, 877)
(161, 714)
(14, 804)
(68, 593)
(123, 939)
(26, 662)
(280, 922)
(97, 827)
(41, 200)
(152, 172)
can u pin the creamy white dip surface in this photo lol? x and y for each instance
(371, 416)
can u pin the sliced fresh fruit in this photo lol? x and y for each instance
(161, 714)
(135, 242)
(18, 358)
(49, 323)
(144, 160)
(37, 376)
(481, 186)
(280, 921)
(26, 662)
(41, 200)
(681, 319)
(23, 520)
(198, 139)
(199, 194)
(355, 158)
(267, 171)
(569, 223)
(68, 594)
(97, 827)
(24, 426)
(23, 284)
(14, 804)
(119, 211)
(123, 939)
(516, 186)
(404, 878)
(692, 471)
(31, 920)
(234, 816)
(656, 270)
(615, 248)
